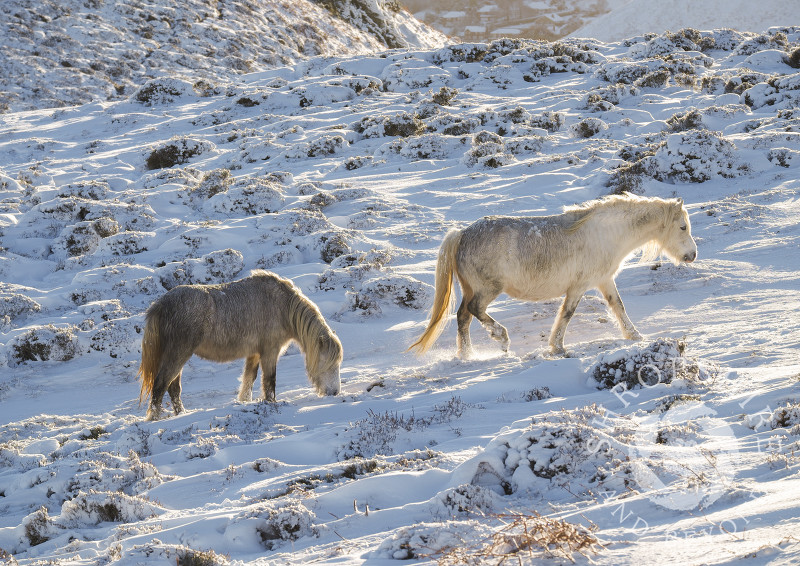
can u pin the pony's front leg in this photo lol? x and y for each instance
(611, 295)
(562, 320)
(269, 364)
(248, 378)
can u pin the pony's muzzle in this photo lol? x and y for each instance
(690, 257)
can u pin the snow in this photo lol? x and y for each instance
(638, 17)
(72, 52)
(344, 172)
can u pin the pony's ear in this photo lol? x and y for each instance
(679, 200)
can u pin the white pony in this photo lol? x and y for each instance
(535, 258)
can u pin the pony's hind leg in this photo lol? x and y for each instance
(611, 295)
(464, 318)
(477, 307)
(168, 372)
(174, 391)
(248, 378)
(562, 320)
(269, 364)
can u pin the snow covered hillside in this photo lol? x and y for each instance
(344, 173)
(75, 51)
(658, 16)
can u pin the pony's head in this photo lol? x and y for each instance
(323, 369)
(675, 240)
(320, 345)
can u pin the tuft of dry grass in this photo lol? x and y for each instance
(524, 538)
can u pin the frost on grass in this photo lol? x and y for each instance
(157, 552)
(357, 162)
(588, 127)
(83, 237)
(84, 510)
(513, 538)
(662, 361)
(107, 472)
(549, 120)
(573, 450)
(398, 290)
(427, 146)
(348, 270)
(487, 151)
(95, 507)
(631, 72)
(212, 183)
(43, 343)
(464, 500)
(7, 559)
(376, 434)
(215, 267)
(668, 44)
(322, 146)
(399, 125)
(526, 538)
(784, 157)
(249, 422)
(694, 157)
(690, 156)
(382, 433)
(535, 394)
(786, 416)
(780, 92)
(177, 152)
(248, 196)
(87, 190)
(116, 338)
(272, 524)
(420, 541)
(163, 90)
(15, 305)
(302, 234)
(37, 528)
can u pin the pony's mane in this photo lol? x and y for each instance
(310, 329)
(608, 201)
(625, 201)
(262, 273)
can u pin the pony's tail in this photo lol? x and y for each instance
(443, 299)
(151, 352)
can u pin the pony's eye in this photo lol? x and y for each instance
(683, 227)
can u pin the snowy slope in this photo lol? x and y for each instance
(73, 52)
(344, 173)
(640, 17)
